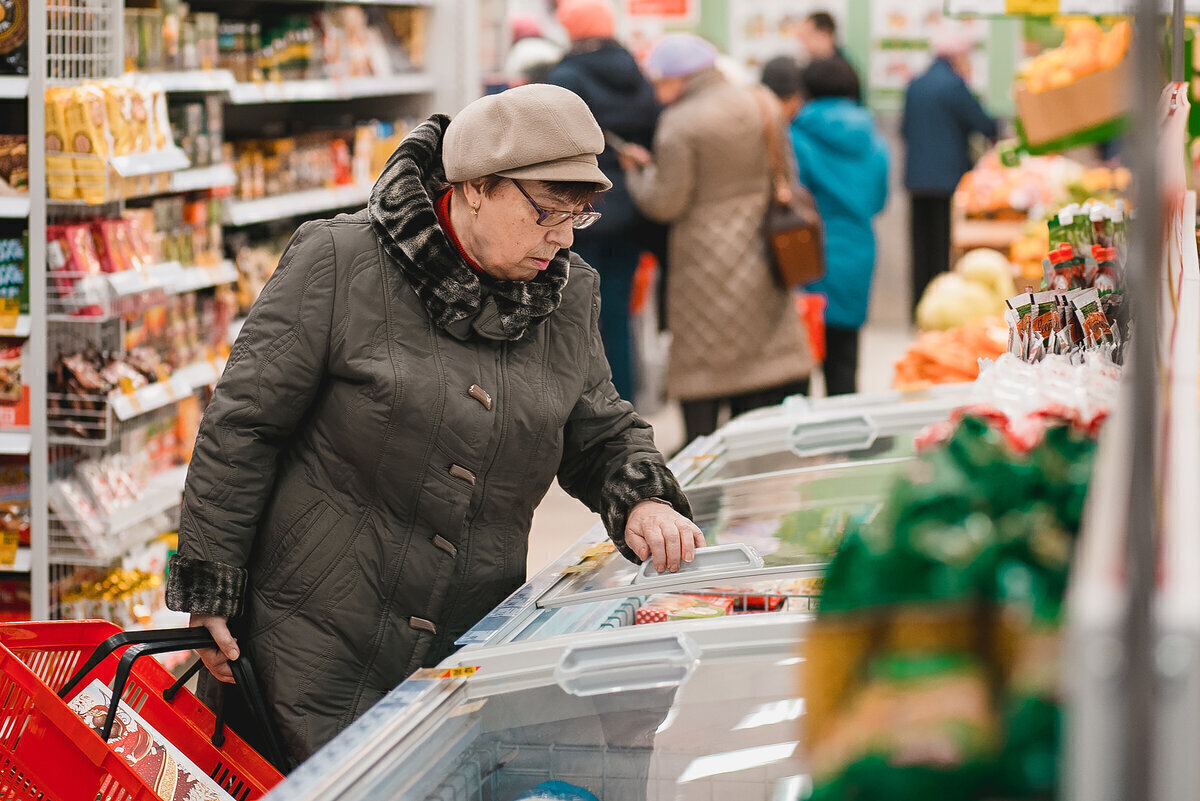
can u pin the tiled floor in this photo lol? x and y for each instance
(560, 519)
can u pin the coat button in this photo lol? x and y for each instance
(422, 624)
(462, 473)
(444, 544)
(480, 394)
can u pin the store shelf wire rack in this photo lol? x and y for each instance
(84, 39)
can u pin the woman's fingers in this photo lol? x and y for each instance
(217, 659)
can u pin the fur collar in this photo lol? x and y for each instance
(458, 299)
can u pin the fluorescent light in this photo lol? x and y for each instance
(772, 713)
(734, 761)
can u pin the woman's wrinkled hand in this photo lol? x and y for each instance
(656, 531)
(217, 659)
(633, 157)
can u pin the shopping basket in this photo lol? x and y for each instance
(48, 753)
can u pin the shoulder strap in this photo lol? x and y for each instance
(779, 179)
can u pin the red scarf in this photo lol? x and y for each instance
(443, 214)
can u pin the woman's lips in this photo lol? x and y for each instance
(541, 264)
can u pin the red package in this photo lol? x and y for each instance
(114, 246)
(139, 242)
(663, 608)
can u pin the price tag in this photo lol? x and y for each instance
(1032, 8)
(155, 396)
(458, 672)
(128, 282)
(180, 386)
(599, 549)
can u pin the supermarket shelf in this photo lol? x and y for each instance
(15, 443)
(373, 2)
(14, 206)
(14, 86)
(295, 204)
(153, 162)
(21, 564)
(330, 89)
(191, 81)
(162, 493)
(996, 8)
(24, 327)
(182, 383)
(197, 178)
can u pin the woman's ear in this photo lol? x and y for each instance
(473, 193)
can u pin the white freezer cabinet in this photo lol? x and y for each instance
(703, 711)
(785, 480)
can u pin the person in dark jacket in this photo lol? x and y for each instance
(782, 76)
(843, 160)
(408, 385)
(940, 114)
(607, 77)
(818, 37)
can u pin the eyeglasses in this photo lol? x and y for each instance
(549, 218)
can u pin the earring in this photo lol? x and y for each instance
(474, 212)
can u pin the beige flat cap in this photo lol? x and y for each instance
(538, 132)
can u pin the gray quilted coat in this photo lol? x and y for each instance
(733, 329)
(366, 474)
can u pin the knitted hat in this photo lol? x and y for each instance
(680, 54)
(587, 19)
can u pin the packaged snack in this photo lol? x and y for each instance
(163, 767)
(60, 171)
(664, 607)
(118, 105)
(1059, 267)
(1096, 328)
(11, 390)
(12, 280)
(14, 162)
(88, 134)
(1019, 318)
(1106, 269)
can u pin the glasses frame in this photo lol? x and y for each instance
(579, 219)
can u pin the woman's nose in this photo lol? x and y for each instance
(562, 235)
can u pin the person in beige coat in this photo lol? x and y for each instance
(737, 340)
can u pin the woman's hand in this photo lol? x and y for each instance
(217, 661)
(633, 157)
(657, 531)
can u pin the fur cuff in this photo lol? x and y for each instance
(630, 485)
(205, 588)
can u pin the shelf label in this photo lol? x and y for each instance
(1033, 8)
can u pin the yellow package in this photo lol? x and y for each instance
(118, 105)
(160, 121)
(60, 171)
(88, 134)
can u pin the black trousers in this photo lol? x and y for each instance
(700, 417)
(930, 241)
(841, 360)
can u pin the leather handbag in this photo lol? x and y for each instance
(794, 232)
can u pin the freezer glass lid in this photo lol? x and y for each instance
(792, 523)
(725, 728)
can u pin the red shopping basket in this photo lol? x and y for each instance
(48, 753)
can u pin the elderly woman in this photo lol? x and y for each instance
(736, 339)
(412, 379)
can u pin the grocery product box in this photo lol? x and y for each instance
(1089, 102)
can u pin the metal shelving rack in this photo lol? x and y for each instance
(72, 41)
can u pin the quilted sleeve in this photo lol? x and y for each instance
(609, 459)
(269, 382)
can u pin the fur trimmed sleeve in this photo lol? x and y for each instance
(205, 588)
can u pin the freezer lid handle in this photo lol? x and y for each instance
(709, 559)
(610, 667)
(833, 436)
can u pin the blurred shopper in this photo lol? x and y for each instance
(532, 55)
(843, 160)
(782, 76)
(818, 36)
(607, 77)
(940, 114)
(736, 336)
(407, 387)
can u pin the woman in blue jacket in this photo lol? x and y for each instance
(843, 160)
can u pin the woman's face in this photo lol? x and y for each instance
(668, 90)
(503, 237)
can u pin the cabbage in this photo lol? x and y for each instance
(990, 269)
(951, 300)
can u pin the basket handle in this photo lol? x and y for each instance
(167, 640)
